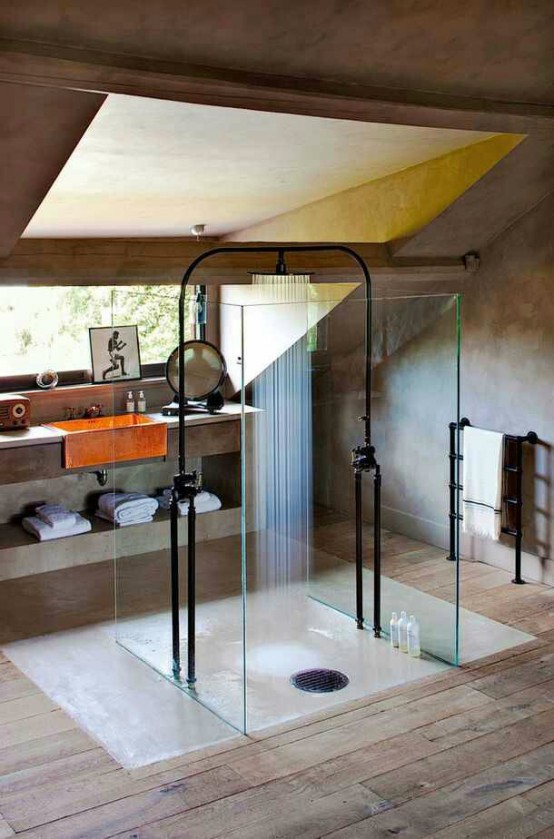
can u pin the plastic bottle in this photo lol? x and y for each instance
(141, 403)
(394, 630)
(130, 405)
(414, 648)
(403, 633)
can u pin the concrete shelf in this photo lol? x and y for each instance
(21, 555)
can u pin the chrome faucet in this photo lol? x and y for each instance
(72, 413)
(92, 411)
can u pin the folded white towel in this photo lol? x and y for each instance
(56, 516)
(143, 520)
(205, 502)
(44, 533)
(482, 482)
(124, 507)
(208, 506)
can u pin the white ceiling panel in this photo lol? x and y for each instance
(154, 168)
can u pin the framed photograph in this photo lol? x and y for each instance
(115, 353)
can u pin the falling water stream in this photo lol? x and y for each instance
(283, 447)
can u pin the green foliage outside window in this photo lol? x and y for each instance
(48, 327)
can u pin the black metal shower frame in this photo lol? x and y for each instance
(186, 486)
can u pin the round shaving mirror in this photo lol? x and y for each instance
(205, 370)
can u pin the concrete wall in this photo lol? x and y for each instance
(413, 400)
(508, 371)
(416, 399)
(507, 383)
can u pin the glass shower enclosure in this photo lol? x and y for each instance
(275, 585)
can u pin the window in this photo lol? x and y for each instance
(47, 327)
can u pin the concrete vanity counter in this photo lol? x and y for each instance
(33, 459)
(36, 453)
(37, 435)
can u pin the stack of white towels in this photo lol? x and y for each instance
(54, 521)
(205, 502)
(125, 508)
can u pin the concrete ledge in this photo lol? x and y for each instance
(22, 556)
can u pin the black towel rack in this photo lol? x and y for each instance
(515, 500)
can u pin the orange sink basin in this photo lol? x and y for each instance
(103, 440)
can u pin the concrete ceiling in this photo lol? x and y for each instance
(495, 50)
(393, 207)
(518, 182)
(154, 168)
(39, 128)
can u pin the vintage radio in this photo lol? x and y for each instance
(15, 412)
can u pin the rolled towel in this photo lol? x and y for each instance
(56, 516)
(205, 502)
(122, 507)
(44, 532)
(143, 520)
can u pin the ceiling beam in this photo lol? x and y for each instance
(39, 128)
(505, 193)
(163, 261)
(56, 66)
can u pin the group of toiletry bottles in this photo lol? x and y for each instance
(404, 634)
(141, 403)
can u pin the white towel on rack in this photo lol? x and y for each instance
(482, 482)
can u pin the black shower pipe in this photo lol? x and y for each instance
(185, 484)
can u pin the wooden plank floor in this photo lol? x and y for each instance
(468, 753)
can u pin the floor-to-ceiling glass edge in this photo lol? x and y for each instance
(458, 471)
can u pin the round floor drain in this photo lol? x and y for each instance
(319, 681)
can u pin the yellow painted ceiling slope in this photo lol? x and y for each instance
(387, 208)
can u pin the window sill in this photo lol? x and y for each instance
(96, 387)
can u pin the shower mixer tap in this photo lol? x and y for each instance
(187, 486)
(363, 458)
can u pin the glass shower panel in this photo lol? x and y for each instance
(414, 398)
(277, 502)
(288, 629)
(275, 581)
(220, 609)
(142, 550)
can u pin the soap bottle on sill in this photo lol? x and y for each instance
(414, 647)
(141, 403)
(394, 630)
(403, 633)
(130, 404)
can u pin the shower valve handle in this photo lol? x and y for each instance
(363, 458)
(187, 486)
